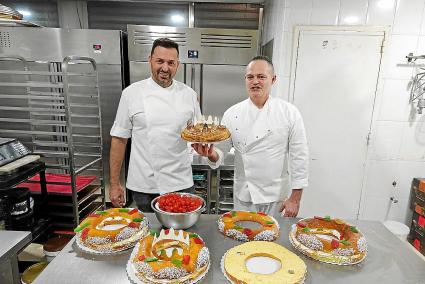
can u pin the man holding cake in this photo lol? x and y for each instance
(153, 112)
(269, 140)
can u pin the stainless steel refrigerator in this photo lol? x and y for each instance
(212, 61)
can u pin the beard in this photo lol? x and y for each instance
(164, 78)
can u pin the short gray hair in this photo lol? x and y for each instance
(264, 58)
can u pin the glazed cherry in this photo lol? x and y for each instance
(178, 203)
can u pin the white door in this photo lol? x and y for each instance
(334, 86)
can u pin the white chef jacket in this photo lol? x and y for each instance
(154, 117)
(266, 141)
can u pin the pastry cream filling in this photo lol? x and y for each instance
(169, 248)
(113, 223)
(327, 234)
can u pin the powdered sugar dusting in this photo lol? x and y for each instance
(203, 258)
(343, 252)
(267, 235)
(237, 235)
(362, 244)
(310, 241)
(126, 233)
(170, 273)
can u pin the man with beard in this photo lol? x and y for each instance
(269, 139)
(153, 113)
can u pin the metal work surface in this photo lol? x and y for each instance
(11, 242)
(389, 260)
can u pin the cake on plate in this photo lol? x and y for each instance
(171, 256)
(205, 131)
(292, 268)
(111, 230)
(228, 226)
(329, 240)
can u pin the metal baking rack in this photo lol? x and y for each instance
(54, 109)
(225, 176)
(202, 184)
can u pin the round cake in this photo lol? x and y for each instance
(112, 230)
(268, 231)
(172, 256)
(329, 240)
(205, 133)
(292, 268)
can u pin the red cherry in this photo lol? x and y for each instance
(85, 234)
(247, 231)
(198, 241)
(133, 225)
(142, 258)
(301, 225)
(135, 210)
(262, 213)
(186, 259)
(334, 244)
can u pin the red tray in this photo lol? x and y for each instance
(81, 182)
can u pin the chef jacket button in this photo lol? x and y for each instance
(236, 129)
(256, 137)
(268, 130)
(236, 116)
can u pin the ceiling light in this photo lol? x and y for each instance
(24, 13)
(385, 4)
(177, 18)
(351, 20)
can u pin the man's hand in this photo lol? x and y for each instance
(206, 151)
(116, 157)
(116, 194)
(291, 206)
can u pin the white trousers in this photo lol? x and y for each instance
(268, 208)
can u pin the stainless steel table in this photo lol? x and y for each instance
(11, 242)
(389, 260)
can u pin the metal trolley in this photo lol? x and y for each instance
(54, 109)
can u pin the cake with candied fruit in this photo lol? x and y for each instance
(171, 256)
(329, 240)
(111, 230)
(205, 131)
(228, 226)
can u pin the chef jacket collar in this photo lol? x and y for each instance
(265, 106)
(169, 88)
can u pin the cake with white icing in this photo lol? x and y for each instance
(171, 256)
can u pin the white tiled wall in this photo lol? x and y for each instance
(325, 12)
(380, 12)
(394, 104)
(386, 140)
(397, 149)
(408, 17)
(352, 12)
(397, 47)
